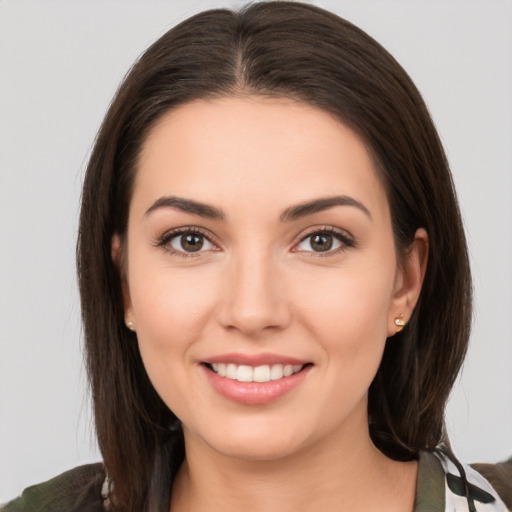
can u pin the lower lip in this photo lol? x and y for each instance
(254, 393)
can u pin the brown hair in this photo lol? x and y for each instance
(299, 51)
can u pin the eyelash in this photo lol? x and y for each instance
(164, 241)
(342, 236)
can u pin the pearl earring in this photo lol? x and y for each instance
(400, 323)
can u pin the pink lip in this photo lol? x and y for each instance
(255, 359)
(254, 393)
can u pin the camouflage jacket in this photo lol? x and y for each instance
(441, 487)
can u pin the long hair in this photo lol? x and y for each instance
(277, 49)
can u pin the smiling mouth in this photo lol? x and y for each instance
(263, 373)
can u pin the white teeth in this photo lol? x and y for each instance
(264, 373)
(261, 373)
(276, 372)
(231, 371)
(244, 373)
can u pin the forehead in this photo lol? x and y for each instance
(269, 150)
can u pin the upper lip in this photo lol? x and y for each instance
(255, 359)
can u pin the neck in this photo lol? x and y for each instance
(339, 473)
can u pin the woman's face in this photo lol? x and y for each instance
(262, 278)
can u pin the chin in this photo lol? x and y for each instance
(263, 443)
(256, 450)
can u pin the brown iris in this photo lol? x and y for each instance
(192, 242)
(321, 242)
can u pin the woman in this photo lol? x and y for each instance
(273, 310)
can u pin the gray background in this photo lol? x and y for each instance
(60, 63)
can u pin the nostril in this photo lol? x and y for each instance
(255, 318)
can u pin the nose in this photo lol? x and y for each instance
(254, 298)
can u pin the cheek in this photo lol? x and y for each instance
(171, 309)
(347, 303)
(349, 321)
(171, 313)
(347, 314)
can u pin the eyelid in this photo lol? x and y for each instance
(342, 235)
(163, 241)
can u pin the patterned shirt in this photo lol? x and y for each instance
(441, 487)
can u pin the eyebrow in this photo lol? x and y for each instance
(319, 205)
(187, 205)
(290, 214)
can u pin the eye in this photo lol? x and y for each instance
(186, 242)
(328, 240)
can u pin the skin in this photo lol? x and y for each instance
(258, 285)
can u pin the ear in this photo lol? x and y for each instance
(118, 257)
(408, 282)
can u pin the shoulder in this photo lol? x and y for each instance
(500, 477)
(78, 489)
(445, 484)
